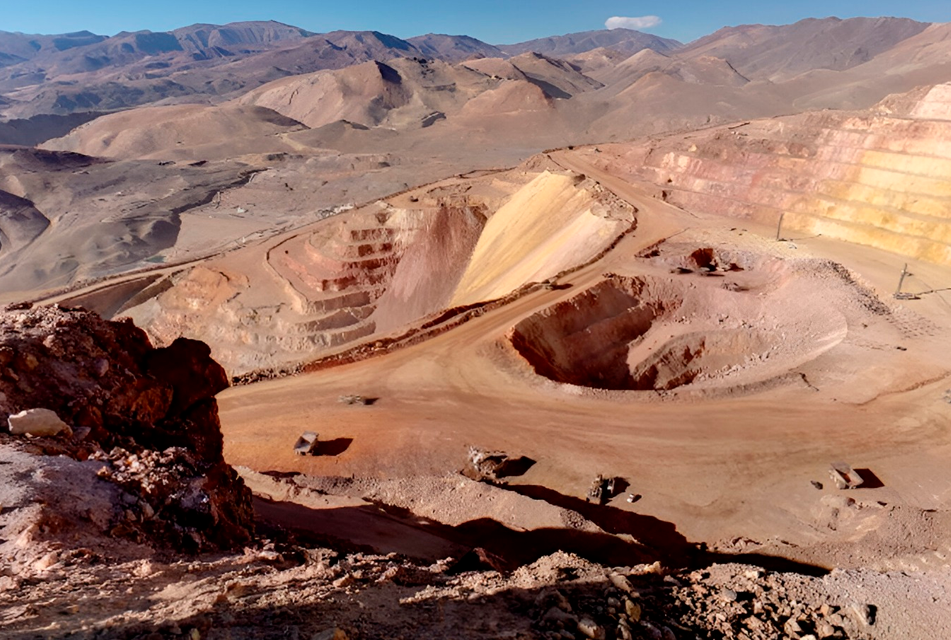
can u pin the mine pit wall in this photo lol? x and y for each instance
(430, 265)
(584, 341)
(873, 180)
(555, 222)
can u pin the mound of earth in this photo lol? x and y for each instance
(652, 333)
(157, 131)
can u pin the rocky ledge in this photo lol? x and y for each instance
(130, 433)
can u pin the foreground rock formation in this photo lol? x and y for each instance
(140, 457)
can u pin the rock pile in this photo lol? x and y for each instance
(736, 602)
(148, 415)
(729, 601)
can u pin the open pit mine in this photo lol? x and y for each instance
(602, 336)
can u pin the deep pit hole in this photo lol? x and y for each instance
(624, 334)
(585, 340)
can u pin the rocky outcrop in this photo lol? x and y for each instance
(148, 415)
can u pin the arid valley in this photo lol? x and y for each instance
(342, 336)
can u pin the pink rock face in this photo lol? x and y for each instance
(866, 177)
(155, 407)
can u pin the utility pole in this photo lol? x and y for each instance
(901, 281)
(779, 227)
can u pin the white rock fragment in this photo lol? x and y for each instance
(590, 629)
(37, 422)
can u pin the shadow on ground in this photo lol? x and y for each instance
(333, 447)
(627, 538)
(662, 537)
(871, 481)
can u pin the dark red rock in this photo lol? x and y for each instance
(186, 366)
(156, 404)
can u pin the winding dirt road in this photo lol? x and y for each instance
(716, 468)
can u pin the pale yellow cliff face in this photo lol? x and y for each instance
(873, 179)
(549, 225)
(936, 105)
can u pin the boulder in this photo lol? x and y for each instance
(38, 422)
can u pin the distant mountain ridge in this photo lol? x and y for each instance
(200, 40)
(21, 47)
(622, 40)
(767, 51)
(211, 61)
(748, 70)
(132, 69)
(454, 48)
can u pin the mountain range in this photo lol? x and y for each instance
(84, 73)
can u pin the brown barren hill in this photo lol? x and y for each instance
(780, 52)
(624, 40)
(159, 131)
(454, 48)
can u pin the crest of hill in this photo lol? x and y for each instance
(206, 40)
(333, 50)
(198, 42)
(929, 48)
(700, 70)
(597, 62)
(780, 52)
(557, 78)
(673, 99)
(405, 93)
(454, 48)
(920, 60)
(20, 47)
(155, 131)
(622, 40)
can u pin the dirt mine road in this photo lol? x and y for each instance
(735, 465)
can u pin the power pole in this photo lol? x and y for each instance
(901, 281)
(779, 227)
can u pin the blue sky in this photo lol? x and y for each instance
(495, 21)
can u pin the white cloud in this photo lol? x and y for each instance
(643, 22)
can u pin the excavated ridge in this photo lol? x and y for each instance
(366, 273)
(877, 178)
(701, 328)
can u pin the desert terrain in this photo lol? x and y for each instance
(465, 280)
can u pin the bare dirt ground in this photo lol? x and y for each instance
(720, 456)
(462, 387)
(728, 460)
